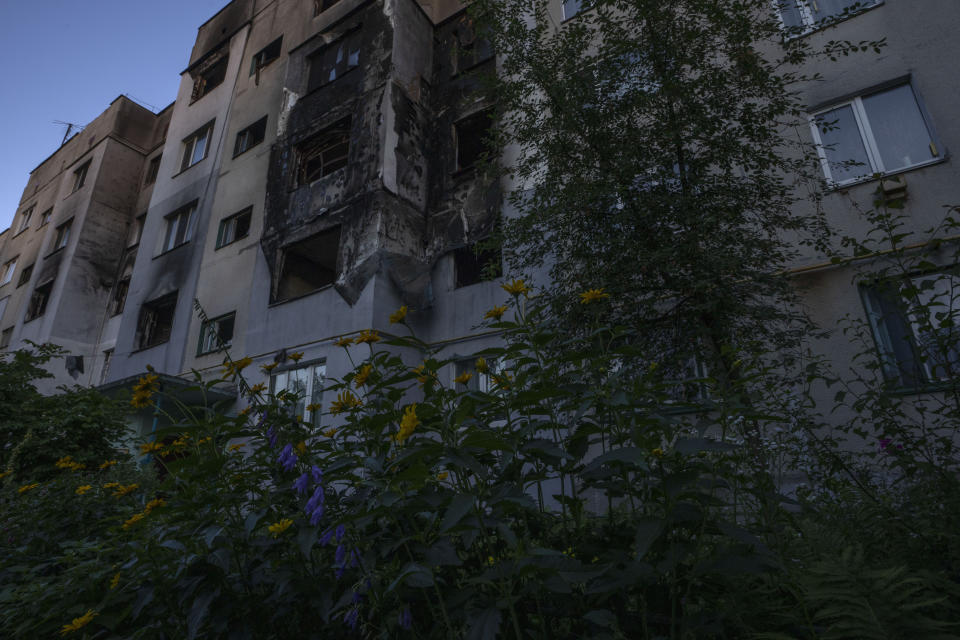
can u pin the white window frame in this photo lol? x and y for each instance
(179, 226)
(80, 176)
(25, 220)
(189, 159)
(9, 267)
(806, 13)
(870, 145)
(63, 235)
(211, 339)
(311, 395)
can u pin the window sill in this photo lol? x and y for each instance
(300, 297)
(332, 82)
(237, 155)
(54, 252)
(182, 171)
(930, 387)
(833, 187)
(171, 250)
(234, 241)
(29, 320)
(148, 347)
(21, 232)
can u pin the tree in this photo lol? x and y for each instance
(654, 160)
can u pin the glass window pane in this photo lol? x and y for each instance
(898, 127)
(316, 392)
(199, 148)
(935, 308)
(843, 144)
(790, 12)
(823, 9)
(571, 8)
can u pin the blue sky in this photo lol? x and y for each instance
(68, 60)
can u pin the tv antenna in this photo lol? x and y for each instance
(70, 127)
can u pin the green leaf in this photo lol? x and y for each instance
(306, 538)
(459, 506)
(198, 611)
(484, 625)
(602, 618)
(648, 531)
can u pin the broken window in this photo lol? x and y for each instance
(156, 321)
(152, 170)
(8, 270)
(305, 383)
(333, 60)
(80, 176)
(473, 264)
(308, 265)
(234, 227)
(471, 138)
(120, 295)
(63, 234)
(25, 276)
(195, 146)
(25, 220)
(324, 153)
(209, 74)
(45, 216)
(265, 56)
(38, 300)
(470, 49)
(5, 337)
(179, 227)
(250, 137)
(319, 6)
(216, 334)
(107, 357)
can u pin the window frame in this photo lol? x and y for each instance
(6, 337)
(218, 343)
(80, 176)
(311, 394)
(154, 306)
(62, 238)
(25, 275)
(349, 38)
(153, 170)
(483, 257)
(485, 115)
(332, 235)
(260, 59)
(180, 223)
(231, 223)
(319, 6)
(25, 219)
(45, 217)
(808, 22)
(250, 137)
(38, 301)
(319, 144)
(867, 137)
(189, 146)
(9, 267)
(210, 74)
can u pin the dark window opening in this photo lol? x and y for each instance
(324, 153)
(180, 225)
(45, 216)
(308, 265)
(209, 76)
(471, 139)
(156, 321)
(333, 60)
(5, 337)
(265, 56)
(250, 137)
(470, 49)
(473, 264)
(120, 295)
(216, 334)
(80, 176)
(234, 228)
(25, 276)
(38, 301)
(319, 6)
(152, 170)
(63, 234)
(136, 230)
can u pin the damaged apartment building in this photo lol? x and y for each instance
(318, 169)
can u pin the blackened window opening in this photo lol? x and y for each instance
(473, 264)
(471, 138)
(324, 153)
(250, 137)
(334, 60)
(308, 265)
(156, 321)
(38, 301)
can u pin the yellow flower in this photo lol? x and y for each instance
(64, 462)
(496, 313)
(134, 519)
(658, 452)
(122, 491)
(516, 288)
(502, 381)
(107, 464)
(314, 406)
(4, 474)
(143, 391)
(591, 295)
(463, 378)
(443, 475)
(236, 447)
(367, 337)
(277, 528)
(398, 315)
(267, 368)
(330, 433)
(204, 440)
(361, 378)
(28, 487)
(247, 409)
(296, 356)
(345, 401)
(490, 560)
(76, 466)
(111, 485)
(78, 623)
(302, 448)
(345, 341)
(156, 503)
(408, 423)
(257, 388)
(82, 489)
(481, 365)
(150, 447)
(115, 581)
